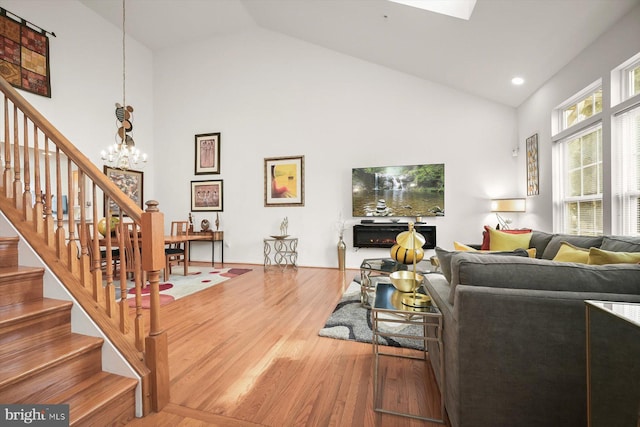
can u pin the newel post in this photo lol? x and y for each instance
(153, 260)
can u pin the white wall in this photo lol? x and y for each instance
(86, 77)
(618, 44)
(271, 95)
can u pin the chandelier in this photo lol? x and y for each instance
(123, 154)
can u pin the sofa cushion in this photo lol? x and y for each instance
(602, 257)
(580, 241)
(444, 258)
(501, 241)
(539, 240)
(462, 247)
(621, 243)
(570, 253)
(528, 273)
(486, 236)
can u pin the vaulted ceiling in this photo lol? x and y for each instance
(532, 39)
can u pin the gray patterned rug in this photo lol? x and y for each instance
(350, 321)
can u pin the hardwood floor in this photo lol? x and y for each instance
(247, 353)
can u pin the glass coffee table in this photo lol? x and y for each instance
(375, 270)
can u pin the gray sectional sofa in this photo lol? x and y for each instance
(514, 331)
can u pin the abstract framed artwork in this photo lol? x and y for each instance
(284, 181)
(207, 196)
(532, 166)
(207, 153)
(131, 182)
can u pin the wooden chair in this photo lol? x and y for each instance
(175, 252)
(132, 249)
(87, 238)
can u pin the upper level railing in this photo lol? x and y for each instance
(51, 192)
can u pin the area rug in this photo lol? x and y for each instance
(178, 286)
(351, 321)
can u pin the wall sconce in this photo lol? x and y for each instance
(507, 205)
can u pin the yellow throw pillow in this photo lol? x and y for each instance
(499, 241)
(602, 257)
(462, 247)
(570, 253)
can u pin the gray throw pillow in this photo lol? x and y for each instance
(621, 244)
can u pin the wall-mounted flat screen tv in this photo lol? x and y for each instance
(398, 191)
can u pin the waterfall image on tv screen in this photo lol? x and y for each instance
(398, 191)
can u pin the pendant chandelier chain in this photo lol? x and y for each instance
(124, 56)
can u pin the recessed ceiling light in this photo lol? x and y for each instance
(517, 81)
(458, 9)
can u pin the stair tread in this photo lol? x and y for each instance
(15, 313)
(87, 396)
(18, 270)
(49, 352)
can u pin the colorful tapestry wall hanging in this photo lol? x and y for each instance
(24, 55)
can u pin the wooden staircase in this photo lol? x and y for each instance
(43, 362)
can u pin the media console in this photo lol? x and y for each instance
(383, 234)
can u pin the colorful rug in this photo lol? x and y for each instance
(178, 286)
(351, 321)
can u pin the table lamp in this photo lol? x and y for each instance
(506, 205)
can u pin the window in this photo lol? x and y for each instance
(582, 109)
(634, 78)
(627, 173)
(625, 80)
(631, 80)
(578, 179)
(582, 196)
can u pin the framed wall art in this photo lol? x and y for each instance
(284, 181)
(131, 182)
(208, 153)
(206, 196)
(25, 54)
(532, 166)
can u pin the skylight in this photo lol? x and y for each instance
(457, 8)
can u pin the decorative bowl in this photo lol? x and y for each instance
(280, 237)
(405, 280)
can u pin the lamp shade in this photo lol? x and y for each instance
(508, 205)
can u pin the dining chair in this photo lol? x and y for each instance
(132, 250)
(87, 239)
(175, 252)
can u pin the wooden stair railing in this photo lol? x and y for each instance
(41, 167)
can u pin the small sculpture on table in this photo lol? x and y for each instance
(205, 225)
(408, 250)
(283, 226)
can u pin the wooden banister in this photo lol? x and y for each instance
(72, 250)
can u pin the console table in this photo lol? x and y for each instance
(388, 308)
(208, 236)
(281, 252)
